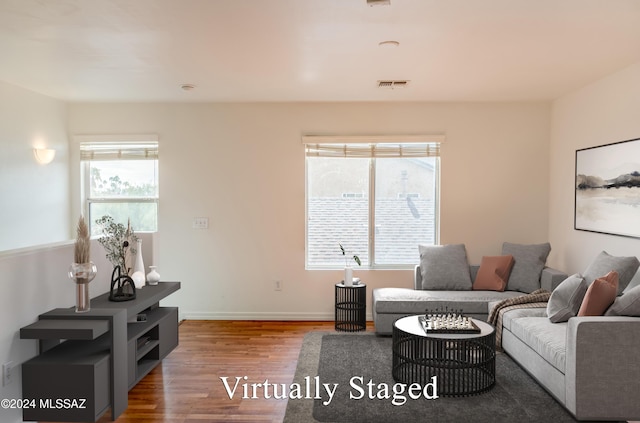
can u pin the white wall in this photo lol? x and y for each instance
(34, 205)
(242, 165)
(34, 210)
(603, 112)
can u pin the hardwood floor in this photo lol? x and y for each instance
(186, 387)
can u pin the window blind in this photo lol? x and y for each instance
(374, 146)
(373, 150)
(119, 150)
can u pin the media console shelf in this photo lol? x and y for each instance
(97, 356)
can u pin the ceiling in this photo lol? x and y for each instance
(314, 50)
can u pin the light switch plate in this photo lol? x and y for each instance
(200, 223)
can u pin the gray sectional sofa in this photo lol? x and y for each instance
(590, 364)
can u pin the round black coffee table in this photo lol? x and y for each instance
(464, 363)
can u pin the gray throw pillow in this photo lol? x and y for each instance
(444, 267)
(529, 260)
(628, 304)
(604, 263)
(566, 299)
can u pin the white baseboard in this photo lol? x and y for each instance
(229, 315)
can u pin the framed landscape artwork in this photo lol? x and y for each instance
(607, 189)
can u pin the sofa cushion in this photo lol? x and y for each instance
(600, 295)
(628, 304)
(444, 267)
(546, 338)
(518, 313)
(604, 263)
(493, 273)
(411, 301)
(529, 260)
(566, 299)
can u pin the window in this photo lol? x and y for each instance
(395, 208)
(120, 179)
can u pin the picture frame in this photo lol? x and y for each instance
(607, 189)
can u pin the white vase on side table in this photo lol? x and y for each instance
(348, 276)
(153, 277)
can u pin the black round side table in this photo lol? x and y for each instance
(351, 307)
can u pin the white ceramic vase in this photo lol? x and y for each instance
(348, 276)
(139, 263)
(138, 279)
(153, 277)
(137, 273)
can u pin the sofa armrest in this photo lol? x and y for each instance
(603, 367)
(551, 278)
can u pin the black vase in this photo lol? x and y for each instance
(122, 286)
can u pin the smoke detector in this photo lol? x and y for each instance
(392, 84)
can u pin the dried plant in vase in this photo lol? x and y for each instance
(82, 270)
(117, 241)
(82, 250)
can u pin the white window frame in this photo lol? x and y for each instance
(121, 141)
(433, 140)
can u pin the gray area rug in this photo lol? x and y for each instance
(337, 358)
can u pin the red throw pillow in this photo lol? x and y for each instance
(600, 295)
(493, 273)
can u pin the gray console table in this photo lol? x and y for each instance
(97, 356)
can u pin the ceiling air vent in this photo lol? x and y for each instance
(392, 84)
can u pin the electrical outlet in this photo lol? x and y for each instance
(7, 370)
(277, 285)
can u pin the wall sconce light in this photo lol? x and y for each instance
(44, 155)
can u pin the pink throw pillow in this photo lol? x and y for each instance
(600, 295)
(493, 273)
